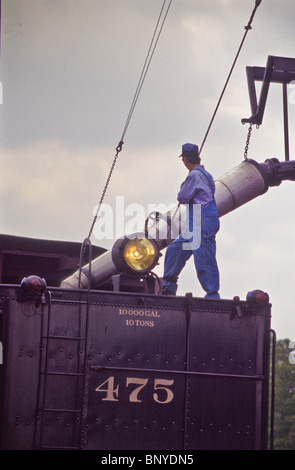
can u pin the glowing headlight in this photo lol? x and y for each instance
(137, 254)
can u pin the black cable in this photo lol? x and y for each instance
(247, 28)
(144, 71)
(146, 65)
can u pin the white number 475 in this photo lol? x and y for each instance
(112, 392)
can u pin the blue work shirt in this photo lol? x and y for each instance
(197, 188)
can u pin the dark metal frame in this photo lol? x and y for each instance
(41, 376)
(272, 388)
(277, 70)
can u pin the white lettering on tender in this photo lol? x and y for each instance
(130, 312)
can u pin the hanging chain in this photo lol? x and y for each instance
(118, 150)
(248, 142)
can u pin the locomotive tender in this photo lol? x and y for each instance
(90, 369)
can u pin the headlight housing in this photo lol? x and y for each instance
(135, 254)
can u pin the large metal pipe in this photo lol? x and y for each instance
(242, 184)
(239, 186)
(249, 180)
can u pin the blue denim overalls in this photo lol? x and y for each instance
(204, 256)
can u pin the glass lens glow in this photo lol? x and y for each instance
(139, 254)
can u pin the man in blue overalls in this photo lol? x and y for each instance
(198, 188)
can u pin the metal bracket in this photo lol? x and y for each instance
(277, 70)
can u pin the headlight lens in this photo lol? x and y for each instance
(135, 254)
(139, 254)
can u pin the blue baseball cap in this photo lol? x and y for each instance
(190, 151)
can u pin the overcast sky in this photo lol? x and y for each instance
(69, 70)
